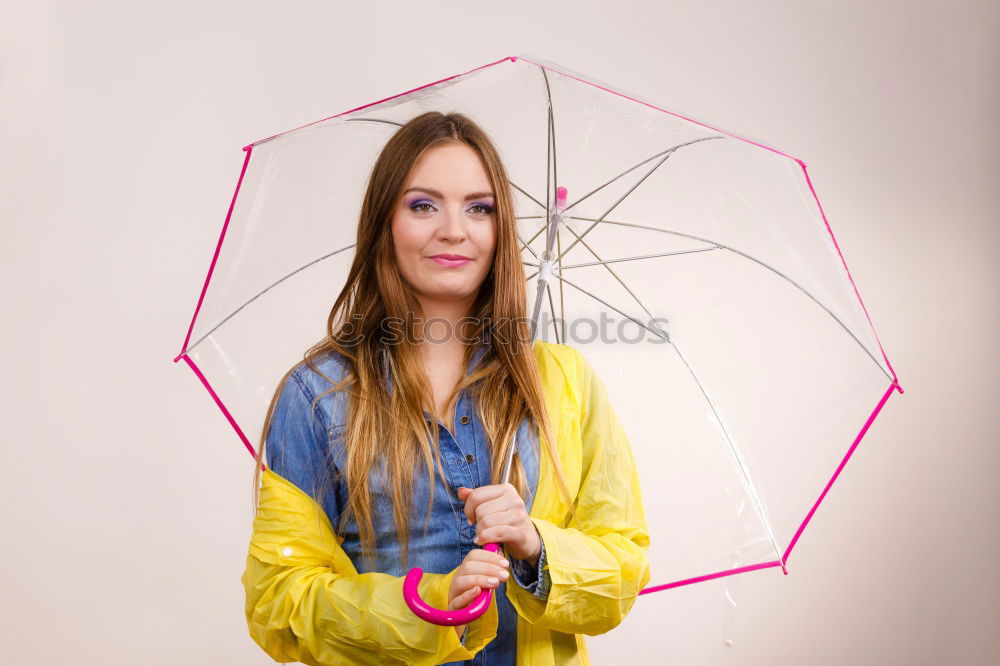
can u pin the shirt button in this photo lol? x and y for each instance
(464, 419)
(469, 457)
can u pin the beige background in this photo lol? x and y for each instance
(126, 495)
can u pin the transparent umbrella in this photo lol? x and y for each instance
(694, 269)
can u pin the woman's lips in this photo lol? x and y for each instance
(450, 259)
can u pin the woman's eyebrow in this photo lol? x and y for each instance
(435, 193)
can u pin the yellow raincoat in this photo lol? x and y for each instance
(306, 602)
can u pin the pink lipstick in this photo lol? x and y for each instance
(450, 259)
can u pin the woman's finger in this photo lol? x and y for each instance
(498, 534)
(464, 599)
(485, 569)
(477, 496)
(472, 580)
(506, 502)
(483, 555)
(508, 517)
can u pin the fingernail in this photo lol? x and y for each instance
(475, 539)
(504, 574)
(494, 581)
(504, 563)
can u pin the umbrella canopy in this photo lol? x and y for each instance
(694, 269)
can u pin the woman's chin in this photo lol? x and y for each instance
(446, 293)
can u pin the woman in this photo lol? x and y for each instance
(428, 366)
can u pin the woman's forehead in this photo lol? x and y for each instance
(453, 170)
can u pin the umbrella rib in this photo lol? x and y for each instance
(636, 166)
(522, 191)
(602, 262)
(666, 155)
(663, 335)
(526, 246)
(540, 230)
(736, 454)
(643, 256)
(373, 120)
(549, 149)
(620, 199)
(550, 199)
(262, 292)
(758, 261)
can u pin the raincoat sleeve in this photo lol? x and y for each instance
(598, 565)
(305, 600)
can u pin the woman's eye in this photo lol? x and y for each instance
(483, 208)
(418, 206)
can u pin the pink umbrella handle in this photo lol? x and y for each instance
(450, 618)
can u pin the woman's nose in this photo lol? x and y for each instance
(452, 226)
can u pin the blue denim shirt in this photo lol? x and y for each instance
(298, 447)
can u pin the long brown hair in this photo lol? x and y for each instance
(389, 426)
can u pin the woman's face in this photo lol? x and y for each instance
(444, 230)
